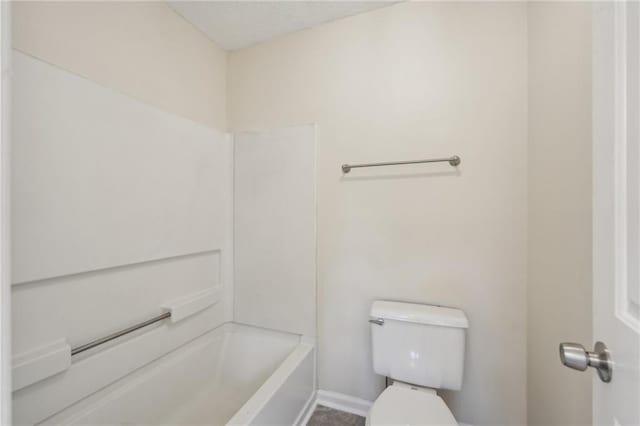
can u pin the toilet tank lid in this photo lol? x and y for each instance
(418, 313)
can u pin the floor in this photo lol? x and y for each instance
(325, 416)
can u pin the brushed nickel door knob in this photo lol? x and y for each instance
(574, 355)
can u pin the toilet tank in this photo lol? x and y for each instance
(418, 344)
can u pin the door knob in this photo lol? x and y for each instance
(574, 355)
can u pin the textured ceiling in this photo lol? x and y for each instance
(236, 24)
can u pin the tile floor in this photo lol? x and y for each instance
(324, 416)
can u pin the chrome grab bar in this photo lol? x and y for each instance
(120, 333)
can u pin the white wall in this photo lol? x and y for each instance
(411, 81)
(559, 277)
(275, 229)
(142, 49)
(118, 209)
(103, 180)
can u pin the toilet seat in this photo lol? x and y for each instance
(399, 405)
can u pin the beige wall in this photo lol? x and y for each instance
(142, 49)
(411, 81)
(559, 157)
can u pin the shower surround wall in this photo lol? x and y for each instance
(118, 209)
(410, 81)
(275, 229)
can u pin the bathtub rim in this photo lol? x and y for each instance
(263, 395)
(76, 412)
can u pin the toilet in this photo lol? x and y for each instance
(421, 349)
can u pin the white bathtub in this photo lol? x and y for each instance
(235, 375)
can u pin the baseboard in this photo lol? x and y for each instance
(307, 410)
(339, 401)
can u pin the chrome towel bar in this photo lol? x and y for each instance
(453, 161)
(120, 333)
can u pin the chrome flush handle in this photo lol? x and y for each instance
(377, 321)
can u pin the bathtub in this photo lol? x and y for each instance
(233, 375)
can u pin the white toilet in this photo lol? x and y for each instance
(421, 348)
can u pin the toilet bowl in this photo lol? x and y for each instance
(422, 345)
(401, 405)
